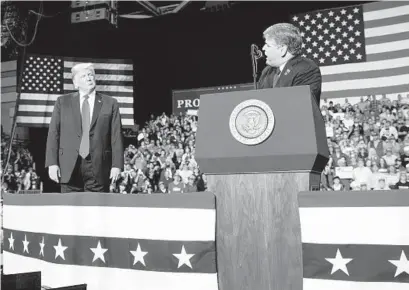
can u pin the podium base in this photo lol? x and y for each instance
(258, 229)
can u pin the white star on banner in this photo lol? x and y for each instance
(402, 265)
(184, 258)
(25, 244)
(98, 252)
(339, 263)
(42, 247)
(138, 255)
(11, 241)
(59, 250)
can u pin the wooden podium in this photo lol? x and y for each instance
(258, 228)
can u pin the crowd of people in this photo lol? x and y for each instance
(20, 173)
(368, 143)
(162, 160)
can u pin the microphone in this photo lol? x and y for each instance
(256, 51)
(256, 54)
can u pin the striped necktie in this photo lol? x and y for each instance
(276, 76)
(85, 120)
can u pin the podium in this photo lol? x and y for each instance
(256, 181)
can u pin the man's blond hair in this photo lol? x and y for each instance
(285, 34)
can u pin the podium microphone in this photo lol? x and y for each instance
(256, 54)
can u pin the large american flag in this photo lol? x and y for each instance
(361, 50)
(108, 241)
(45, 78)
(355, 240)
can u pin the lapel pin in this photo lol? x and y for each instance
(287, 72)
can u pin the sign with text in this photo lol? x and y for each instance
(185, 101)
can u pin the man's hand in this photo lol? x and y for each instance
(54, 173)
(115, 173)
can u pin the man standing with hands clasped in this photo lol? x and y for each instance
(85, 143)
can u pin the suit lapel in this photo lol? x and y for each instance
(97, 109)
(285, 72)
(75, 106)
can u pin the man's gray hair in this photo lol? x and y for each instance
(285, 34)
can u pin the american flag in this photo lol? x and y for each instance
(45, 78)
(108, 241)
(356, 240)
(361, 50)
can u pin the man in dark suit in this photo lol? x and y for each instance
(285, 66)
(85, 143)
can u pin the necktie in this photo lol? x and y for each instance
(85, 118)
(276, 76)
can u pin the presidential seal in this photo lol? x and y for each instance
(251, 122)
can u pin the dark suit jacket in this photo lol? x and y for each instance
(106, 140)
(298, 71)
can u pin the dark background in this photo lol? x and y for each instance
(190, 49)
(186, 50)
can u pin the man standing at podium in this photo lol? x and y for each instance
(285, 65)
(85, 143)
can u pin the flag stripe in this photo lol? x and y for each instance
(380, 10)
(363, 75)
(105, 77)
(52, 103)
(366, 66)
(99, 278)
(200, 200)
(108, 93)
(388, 55)
(11, 89)
(107, 83)
(44, 97)
(378, 198)
(8, 97)
(355, 225)
(386, 22)
(365, 92)
(97, 60)
(386, 38)
(387, 30)
(315, 284)
(370, 83)
(118, 72)
(102, 65)
(388, 46)
(5, 74)
(8, 81)
(47, 111)
(37, 114)
(158, 258)
(102, 89)
(27, 121)
(370, 262)
(176, 224)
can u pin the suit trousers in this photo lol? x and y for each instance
(83, 178)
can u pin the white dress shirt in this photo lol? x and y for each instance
(282, 67)
(91, 101)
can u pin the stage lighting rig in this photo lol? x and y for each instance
(87, 11)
